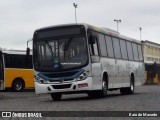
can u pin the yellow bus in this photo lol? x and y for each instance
(16, 71)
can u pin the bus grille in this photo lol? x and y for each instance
(61, 86)
(65, 76)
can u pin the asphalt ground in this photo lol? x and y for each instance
(146, 98)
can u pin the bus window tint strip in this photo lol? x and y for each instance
(18, 61)
(59, 32)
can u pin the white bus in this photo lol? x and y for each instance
(77, 58)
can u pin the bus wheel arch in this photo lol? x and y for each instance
(103, 92)
(130, 89)
(18, 84)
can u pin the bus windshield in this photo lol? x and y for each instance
(60, 54)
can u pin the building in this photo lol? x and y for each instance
(151, 53)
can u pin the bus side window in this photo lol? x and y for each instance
(130, 51)
(123, 49)
(109, 46)
(116, 48)
(135, 51)
(102, 44)
(1, 64)
(7, 61)
(28, 61)
(140, 53)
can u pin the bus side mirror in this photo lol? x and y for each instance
(92, 39)
(28, 51)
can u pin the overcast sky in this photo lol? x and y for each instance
(20, 18)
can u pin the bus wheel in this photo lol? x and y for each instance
(18, 85)
(103, 92)
(128, 90)
(56, 96)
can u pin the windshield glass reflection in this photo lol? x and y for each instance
(61, 54)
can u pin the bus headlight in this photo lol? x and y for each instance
(40, 80)
(83, 76)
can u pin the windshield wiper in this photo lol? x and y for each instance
(67, 45)
(50, 48)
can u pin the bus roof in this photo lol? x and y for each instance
(111, 32)
(107, 31)
(18, 52)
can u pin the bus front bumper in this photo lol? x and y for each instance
(64, 87)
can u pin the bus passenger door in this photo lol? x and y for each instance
(95, 63)
(1, 72)
(96, 73)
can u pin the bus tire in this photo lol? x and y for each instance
(100, 93)
(128, 90)
(56, 96)
(103, 92)
(18, 85)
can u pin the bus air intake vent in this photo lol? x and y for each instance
(61, 86)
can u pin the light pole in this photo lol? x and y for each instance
(140, 29)
(118, 21)
(75, 6)
(28, 42)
